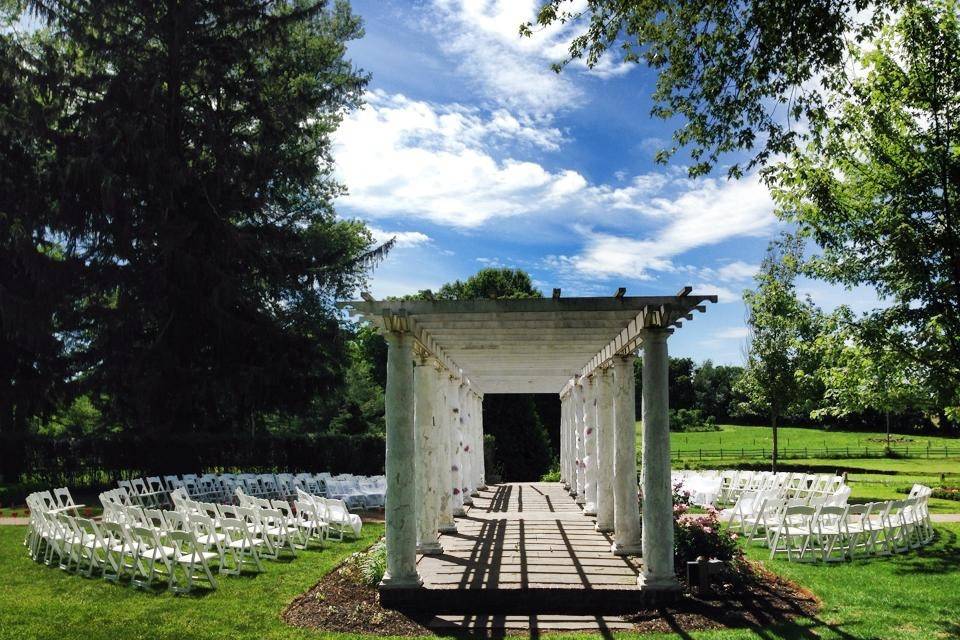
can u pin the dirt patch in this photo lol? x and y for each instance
(753, 598)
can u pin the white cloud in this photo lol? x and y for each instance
(686, 214)
(405, 239)
(449, 164)
(724, 294)
(737, 271)
(483, 35)
(732, 333)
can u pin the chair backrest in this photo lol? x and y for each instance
(155, 518)
(175, 521)
(234, 530)
(227, 511)
(139, 486)
(63, 497)
(799, 516)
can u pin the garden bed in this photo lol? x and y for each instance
(343, 602)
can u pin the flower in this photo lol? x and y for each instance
(456, 491)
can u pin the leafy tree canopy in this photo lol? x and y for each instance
(879, 191)
(738, 74)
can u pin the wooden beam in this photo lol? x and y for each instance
(621, 291)
(556, 294)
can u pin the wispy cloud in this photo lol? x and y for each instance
(507, 69)
(404, 239)
(681, 215)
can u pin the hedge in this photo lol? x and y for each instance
(102, 460)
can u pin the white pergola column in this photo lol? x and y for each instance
(466, 458)
(563, 441)
(428, 456)
(456, 447)
(626, 516)
(590, 442)
(657, 495)
(401, 500)
(570, 428)
(605, 450)
(481, 459)
(442, 389)
(581, 445)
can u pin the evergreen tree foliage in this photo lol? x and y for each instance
(170, 245)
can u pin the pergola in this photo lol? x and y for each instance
(445, 355)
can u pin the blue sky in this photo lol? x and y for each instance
(474, 153)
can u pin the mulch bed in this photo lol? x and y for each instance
(753, 598)
(341, 602)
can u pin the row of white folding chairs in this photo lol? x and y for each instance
(358, 492)
(708, 487)
(335, 512)
(833, 533)
(754, 510)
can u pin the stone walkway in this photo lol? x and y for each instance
(526, 558)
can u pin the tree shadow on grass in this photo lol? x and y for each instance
(941, 556)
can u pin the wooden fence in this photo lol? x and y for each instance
(799, 453)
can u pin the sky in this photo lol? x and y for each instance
(472, 152)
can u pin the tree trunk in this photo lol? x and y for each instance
(888, 430)
(773, 457)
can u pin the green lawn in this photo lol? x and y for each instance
(915, 595)
(38, 602)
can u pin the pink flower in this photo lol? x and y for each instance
(454, 468)
(456, 491)
(466, 448)
(589, 430)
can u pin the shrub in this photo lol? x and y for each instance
(553, 475)
(373, 563)
(700, 535)
(691, 420)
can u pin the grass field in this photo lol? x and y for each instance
(910, 596)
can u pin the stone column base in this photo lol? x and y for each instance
(482, 487)
(626, 550)
(406, 582)
(475, 494)
(459, 512)
(589, 509)
(604, 529)
(658, 583)
(430, 549)
(467, 500)
(581, 500)
(447, 528)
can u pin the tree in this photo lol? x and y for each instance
(186, 165)
(780, 372)
(878, 190)
(738, 74)
(713, 388)
(858, 378)
(491, 283)
(38, 280)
